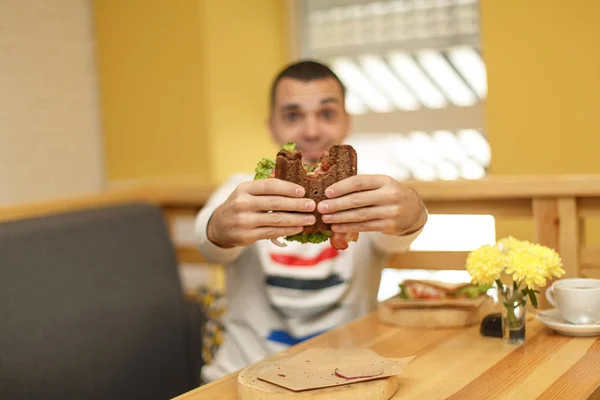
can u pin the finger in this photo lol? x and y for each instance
(274, 232)
(361, 214)
(274, 187)
(281, 203)
(279, 219)
(348, 202)
(377, 225)
(357, 183)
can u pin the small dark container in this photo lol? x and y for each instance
(491, 325)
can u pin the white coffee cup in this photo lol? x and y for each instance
(577, 300)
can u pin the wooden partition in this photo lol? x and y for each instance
(558, 206)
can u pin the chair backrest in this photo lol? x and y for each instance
(91, 307)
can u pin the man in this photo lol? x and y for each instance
(277, 297)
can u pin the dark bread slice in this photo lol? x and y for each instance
(288, 167)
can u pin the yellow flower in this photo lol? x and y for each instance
(531, 263)
(526, 267)
(528, 263)
(551, 260)
(485, 264)
(509, 243)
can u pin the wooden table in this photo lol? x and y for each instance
(462, 364)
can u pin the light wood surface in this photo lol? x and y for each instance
(177, 199)
(570, 240)
(428, 260)
(545, 213)
(513, 187)
(31, 210)
(249, 387)
(459, 363)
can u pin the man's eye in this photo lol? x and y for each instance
(327, 114)
(291, 117)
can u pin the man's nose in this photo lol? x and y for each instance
(311, 129)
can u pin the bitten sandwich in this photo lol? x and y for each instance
(339, 163)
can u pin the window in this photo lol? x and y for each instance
(416, 84)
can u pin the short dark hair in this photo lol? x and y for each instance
(305, 71)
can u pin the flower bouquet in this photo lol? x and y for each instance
(529, 265)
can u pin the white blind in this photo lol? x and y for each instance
(415, 77)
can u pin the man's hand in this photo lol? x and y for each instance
(261, 209)
(378, 203)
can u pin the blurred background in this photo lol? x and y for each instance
(101, 94)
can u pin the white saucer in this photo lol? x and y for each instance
(552, 319)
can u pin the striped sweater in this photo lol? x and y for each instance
(278, 297)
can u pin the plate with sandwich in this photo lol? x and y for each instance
(340, 162)
(430, 303)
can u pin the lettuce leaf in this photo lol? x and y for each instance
(318, 237)
(266, 165)
(472, 291)
(264, 168)
(403, 293)
(289, 147)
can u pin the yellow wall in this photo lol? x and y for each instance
(542, 111)
(184, 85)
(245, 47)
(150, 71)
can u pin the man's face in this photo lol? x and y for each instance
(310, 114)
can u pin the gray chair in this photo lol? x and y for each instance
(91, 307)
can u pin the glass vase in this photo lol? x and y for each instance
(514, 312)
